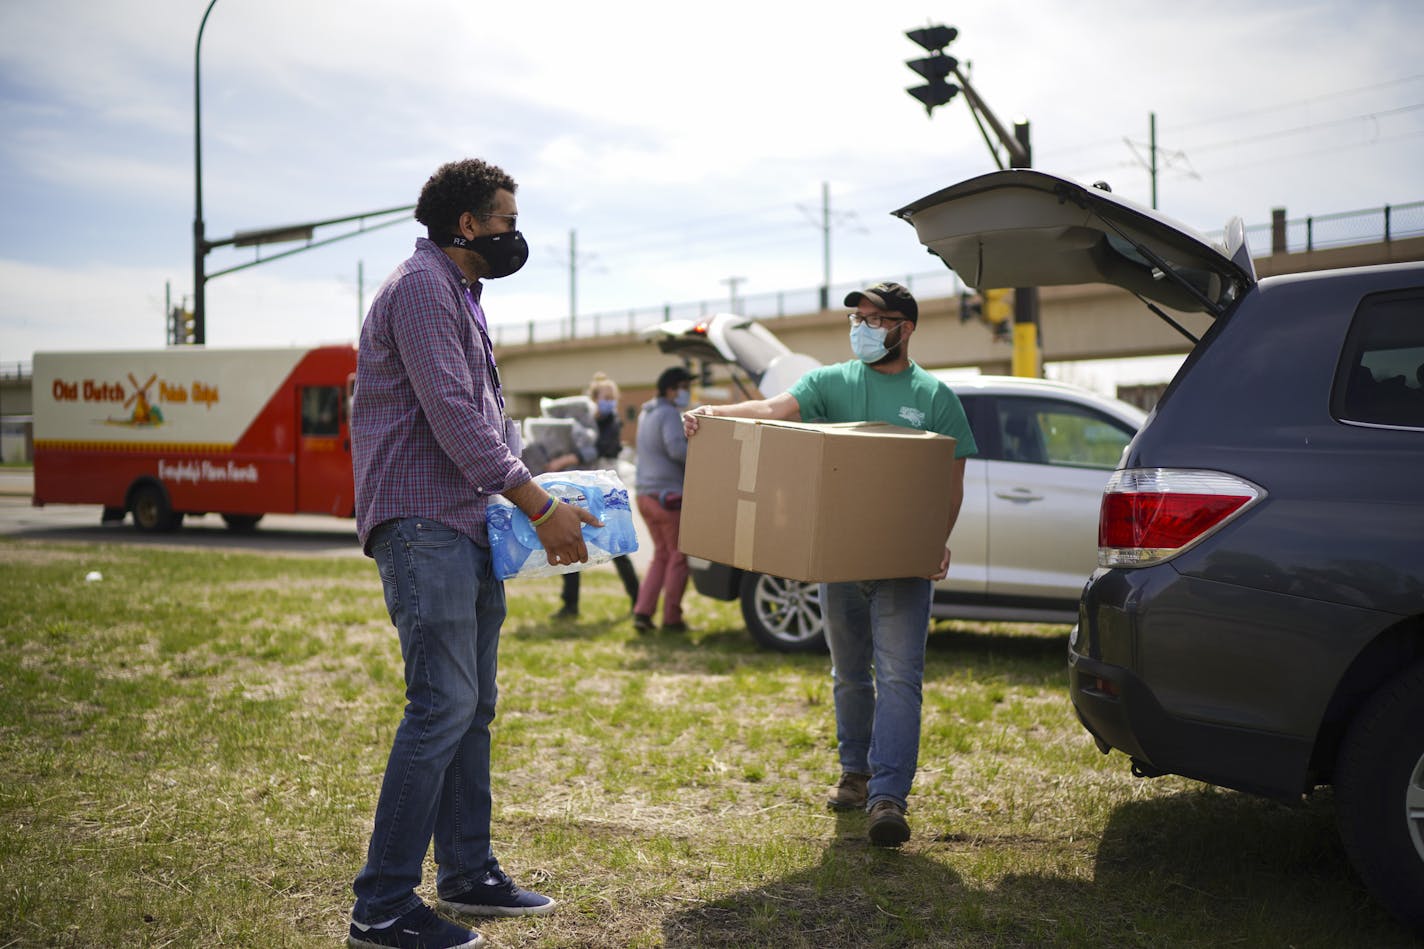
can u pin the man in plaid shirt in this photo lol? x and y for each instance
(430, 444)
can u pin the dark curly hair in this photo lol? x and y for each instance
(457, 187)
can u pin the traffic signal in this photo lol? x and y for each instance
(971, 307)
(993, 308)
(936, 68)
(181, 328)
(999, 311)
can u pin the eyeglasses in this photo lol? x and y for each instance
(512, 218)
(875, 320)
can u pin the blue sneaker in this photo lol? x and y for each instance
(496, 895)
(418, 929)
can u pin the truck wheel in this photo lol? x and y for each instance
(151, 512)
(241, 523)
(784, 615)
(1379, 793)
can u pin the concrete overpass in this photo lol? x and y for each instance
(1078, 323)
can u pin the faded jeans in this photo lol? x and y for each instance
(877, 631)
(446, 604)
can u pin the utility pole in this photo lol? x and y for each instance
(936, 69)
(1152, 144)
(734, 282)
(826, 245)
(574, 262)
(573, 283)
(825, 221)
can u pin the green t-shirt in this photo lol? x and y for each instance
(853, 392)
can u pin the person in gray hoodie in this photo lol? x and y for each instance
(662, 458)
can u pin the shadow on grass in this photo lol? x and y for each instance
(1202, 868)
(858, 895)
(1213, 866)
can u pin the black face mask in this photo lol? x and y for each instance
(504, 253)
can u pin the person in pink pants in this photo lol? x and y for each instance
(662, 459)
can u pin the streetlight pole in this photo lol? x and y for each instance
(251, 238)
(200, 242)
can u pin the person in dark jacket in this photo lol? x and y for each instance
(607, 444)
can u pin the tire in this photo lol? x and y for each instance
(241, 523)
(784, 615)
(152, 513)
(1379, 793)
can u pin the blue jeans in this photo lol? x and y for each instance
(876, 631)
(447, 605)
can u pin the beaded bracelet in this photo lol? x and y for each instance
(546, 513)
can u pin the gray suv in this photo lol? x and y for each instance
(1257, 617)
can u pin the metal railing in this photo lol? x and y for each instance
(1370, 225)
(762, 306)
(1337, 230)
(18, 369)
(1301, 234)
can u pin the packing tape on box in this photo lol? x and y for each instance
(750, 437)
(744, 536)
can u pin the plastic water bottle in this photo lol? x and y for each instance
(514, 543)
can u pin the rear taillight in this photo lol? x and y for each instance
(1149, 515)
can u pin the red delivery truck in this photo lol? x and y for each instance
(189, 430)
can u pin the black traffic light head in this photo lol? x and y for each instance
(937, 91)
(936, 68)
(970, 307)
(934, 94)
(933, 37)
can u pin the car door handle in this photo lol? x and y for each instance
(1022, 495)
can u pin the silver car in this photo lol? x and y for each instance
(1027, 535)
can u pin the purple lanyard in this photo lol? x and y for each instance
(479, 315)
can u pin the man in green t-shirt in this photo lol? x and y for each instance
(876, 629)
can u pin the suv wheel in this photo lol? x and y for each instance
(1379, 791)
(783, 614)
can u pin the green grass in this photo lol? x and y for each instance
(191, 750)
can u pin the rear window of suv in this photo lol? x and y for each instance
(1381, 379)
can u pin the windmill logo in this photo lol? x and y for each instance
(145, 414)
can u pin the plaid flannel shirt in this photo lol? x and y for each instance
(428, 431)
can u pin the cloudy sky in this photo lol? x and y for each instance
(684, 144)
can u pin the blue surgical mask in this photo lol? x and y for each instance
(683, 398)
(868, 344)
(607, 406)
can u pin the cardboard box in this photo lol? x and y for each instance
(820, 503)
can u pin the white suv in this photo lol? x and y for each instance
(1026, 539)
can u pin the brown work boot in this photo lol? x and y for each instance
(850, 793)
(888, 827)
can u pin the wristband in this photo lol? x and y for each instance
(547, 512)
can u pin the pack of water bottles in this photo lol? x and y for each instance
(515, 545)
